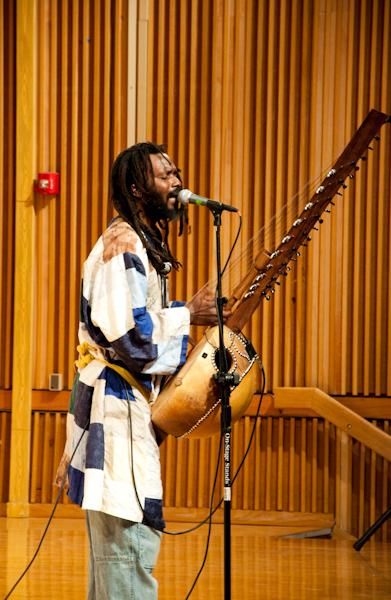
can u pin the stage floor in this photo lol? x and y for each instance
(265, 564)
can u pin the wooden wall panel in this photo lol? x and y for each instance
(294, 465)
(82, 125)
(256, 100)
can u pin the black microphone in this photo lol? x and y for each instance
(187, 197)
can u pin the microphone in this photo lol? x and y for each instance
(187, 197)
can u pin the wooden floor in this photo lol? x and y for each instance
(265, 564)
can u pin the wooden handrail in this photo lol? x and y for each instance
(338, 414)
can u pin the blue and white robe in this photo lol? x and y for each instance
(123, 322)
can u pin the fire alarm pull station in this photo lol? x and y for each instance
(48, 184)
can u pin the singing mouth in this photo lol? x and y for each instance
(174, 193)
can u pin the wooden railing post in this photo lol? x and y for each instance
(343, 504)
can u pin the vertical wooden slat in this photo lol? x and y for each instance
(191, 467)
(132, 72)
(280, 464)
(47, 458)
(372, 485)
(180, 474)
(142, 70)
(303, 465)
(248, 476)
(258, 466)
(269, 474)
(314, 465)
(361, 491)
(326, 467)
(169, 472)
(5, 430)
(36, 458)
(344, 500)
(58, 444)
(292, 449)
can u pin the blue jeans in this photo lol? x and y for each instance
(122, 556)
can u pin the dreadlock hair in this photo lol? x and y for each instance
(132, 170)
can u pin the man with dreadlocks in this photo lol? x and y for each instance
(130, 337)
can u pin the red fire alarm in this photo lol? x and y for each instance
(48, 184)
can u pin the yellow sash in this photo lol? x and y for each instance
(85, 357)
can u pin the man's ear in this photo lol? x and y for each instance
(135, 191)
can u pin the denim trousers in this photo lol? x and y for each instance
(122, 556)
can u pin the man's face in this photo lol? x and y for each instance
(166, 180)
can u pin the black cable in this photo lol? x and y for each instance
(209, 522)
(212, 511)
(234, 244)
(50, 517)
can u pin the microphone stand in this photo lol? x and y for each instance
(224, 381)
(372, 529)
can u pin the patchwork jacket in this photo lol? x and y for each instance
(115, 465)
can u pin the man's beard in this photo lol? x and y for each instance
(157, 210)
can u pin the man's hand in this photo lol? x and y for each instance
(203, 309)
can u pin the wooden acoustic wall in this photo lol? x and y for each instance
(256, 100)
(81, 126)
(294, 467)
